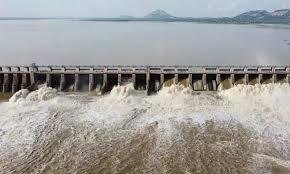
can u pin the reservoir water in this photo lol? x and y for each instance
(135, 43)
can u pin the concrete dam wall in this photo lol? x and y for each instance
(147, 78)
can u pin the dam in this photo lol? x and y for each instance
(147, 78)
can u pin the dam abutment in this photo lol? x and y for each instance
(147, 78)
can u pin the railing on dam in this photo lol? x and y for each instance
(149, 78)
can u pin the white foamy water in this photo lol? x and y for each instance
(241, 130)
(42, 94)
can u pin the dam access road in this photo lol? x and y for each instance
(149, 78)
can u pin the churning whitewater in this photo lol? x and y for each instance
(241, 130)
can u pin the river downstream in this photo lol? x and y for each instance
(241, 130)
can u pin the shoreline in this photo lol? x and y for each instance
(177, 20)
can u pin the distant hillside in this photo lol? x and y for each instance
(126, 17)
(251, 17)
(258, 16)
(159, 14)
(281, 13)
(262, 16)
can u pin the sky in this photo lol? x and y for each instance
(114, 8)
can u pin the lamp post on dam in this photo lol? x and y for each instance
(148, 78)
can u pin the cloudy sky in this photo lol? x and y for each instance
(111, 8)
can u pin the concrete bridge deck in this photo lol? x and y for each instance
(149, 78)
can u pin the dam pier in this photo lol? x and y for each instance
(147, 78)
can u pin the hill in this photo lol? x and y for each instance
(159, 14)
(252, 17)
(262, 16)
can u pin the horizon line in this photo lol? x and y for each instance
(120, 16)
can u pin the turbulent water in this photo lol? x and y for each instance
(241, 130)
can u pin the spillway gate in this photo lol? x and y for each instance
(147, 78)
